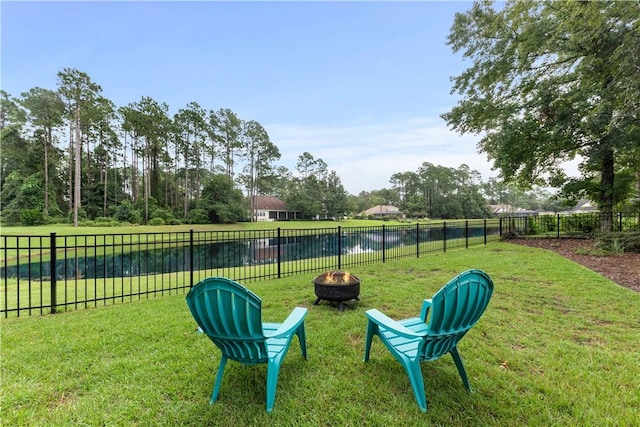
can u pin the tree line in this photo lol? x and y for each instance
(69, 155)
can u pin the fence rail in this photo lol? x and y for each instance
(47, 274)
(575, 225)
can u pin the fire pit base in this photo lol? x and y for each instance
(337, 286)
(340, 303)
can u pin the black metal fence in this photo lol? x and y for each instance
(582, 225)
(46, 274)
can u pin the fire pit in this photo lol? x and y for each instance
(338, 286)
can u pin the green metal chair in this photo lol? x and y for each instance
(444, 320)
(231, 316)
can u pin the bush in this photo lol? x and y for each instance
(156, 221)
(198, 216)
(126, 212)
(619, 242)
(82, 215)
(164, 214)
(31, 217)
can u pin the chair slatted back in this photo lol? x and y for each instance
(231, 316)
(455, 309)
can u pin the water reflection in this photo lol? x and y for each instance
(234, 253)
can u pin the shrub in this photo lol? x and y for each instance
(619, 242)
(126, 212)
(156, 221)
(31, 217)
(198, 216)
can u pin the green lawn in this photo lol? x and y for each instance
(558, 345)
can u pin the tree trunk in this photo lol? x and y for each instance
(186, 187)
(46, 171)
(78, 159)
(70, 175)
(106, 176)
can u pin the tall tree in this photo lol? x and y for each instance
(12, 121)
(228, 131)
(305, 192)
(46, 111)
(550, 80)
(80, 92)
(190, 124)
(259, 153)
(335, 201)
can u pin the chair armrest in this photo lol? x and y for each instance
(295, 318)
(388, 323)
(426, 306)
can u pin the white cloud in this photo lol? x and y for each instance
(365, 156)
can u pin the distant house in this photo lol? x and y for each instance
(272, 209)
(508, 210)
(584, 206)
(384, 211)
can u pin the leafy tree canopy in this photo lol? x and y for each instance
(548, 81)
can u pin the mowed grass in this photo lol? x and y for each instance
(558, 345)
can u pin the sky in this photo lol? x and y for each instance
(360, 85)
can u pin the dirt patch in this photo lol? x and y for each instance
(623, 269)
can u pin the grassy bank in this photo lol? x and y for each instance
(558, 345)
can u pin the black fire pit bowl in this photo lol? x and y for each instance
(336, 288)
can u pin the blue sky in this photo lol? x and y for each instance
(360, 85)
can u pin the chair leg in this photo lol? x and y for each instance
(372, 329)
(461, 370)
(216, 387)
(272, 381)
(302, 338)
(417, 383)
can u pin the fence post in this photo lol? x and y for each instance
(191, 258)
(558, 227)
(466, 234)
(485, 230)
(53, 271)
(417, 240)
(620, 222)
(384, 252)
(444, 236)
(500, 227)
(339, 247)
(278, 255)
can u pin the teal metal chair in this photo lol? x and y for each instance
(231, 316)
(444, 320)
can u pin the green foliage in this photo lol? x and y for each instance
(31, 217)
(619, 242)
(222, 202)
(156, 221)
(19, 193)
(198, 216)
(166, 215)
(126, 212)
(546, 84)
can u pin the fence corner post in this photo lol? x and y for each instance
(53, 271)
